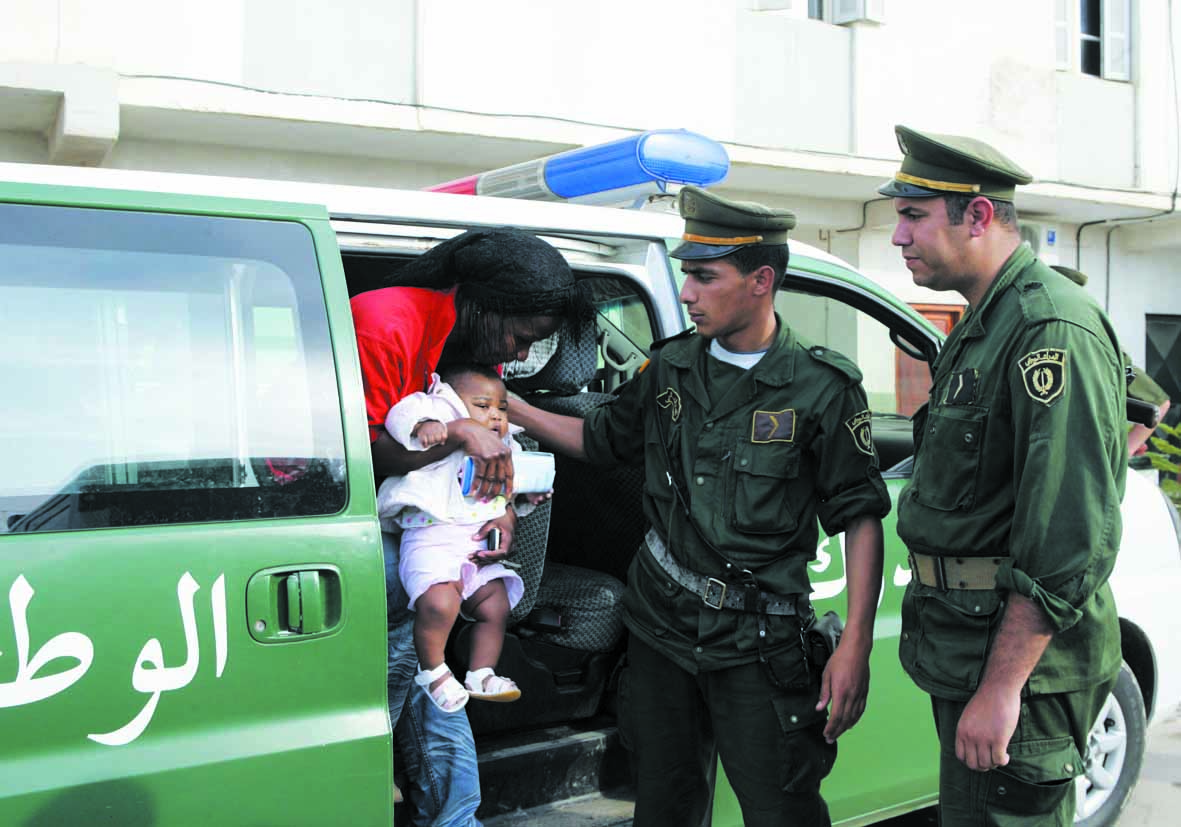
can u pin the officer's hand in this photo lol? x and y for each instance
(985, 728)
(507, 525)
(492, 458)
(845, 683)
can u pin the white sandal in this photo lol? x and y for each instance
(486, 685)
(448, 696)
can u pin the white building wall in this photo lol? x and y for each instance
(413, 92)
(761, 78)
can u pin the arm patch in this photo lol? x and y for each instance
(1043, 372)
(862, 431)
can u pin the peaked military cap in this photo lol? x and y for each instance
(716, 226)
(941, 164)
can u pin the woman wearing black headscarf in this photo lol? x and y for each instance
(484, 296)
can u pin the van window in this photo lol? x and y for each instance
(892, 377)
(859, 336)
(162, 368)
(624, 334)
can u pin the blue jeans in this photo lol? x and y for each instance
(437, 748)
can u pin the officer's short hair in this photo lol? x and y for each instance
(751, 258)
(957, 206)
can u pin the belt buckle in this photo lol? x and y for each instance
(940, 575)
(936, 567)
(714, 586)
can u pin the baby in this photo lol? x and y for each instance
(438, 565)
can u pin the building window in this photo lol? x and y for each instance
(1093, 37)
(813, 9)
(1162, 356)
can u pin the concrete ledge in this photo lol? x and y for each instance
(75, 107)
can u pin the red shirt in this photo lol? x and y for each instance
(400, 336)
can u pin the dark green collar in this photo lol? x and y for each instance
(777, 367)
(1021, 258)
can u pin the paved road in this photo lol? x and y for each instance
(1156, 801)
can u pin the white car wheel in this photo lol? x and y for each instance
(1115, 752)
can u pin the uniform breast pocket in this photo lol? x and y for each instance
(945, 475)
(761, 479)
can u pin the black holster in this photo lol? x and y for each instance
(821, 637)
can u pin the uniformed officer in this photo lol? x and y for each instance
(747, 435)
(1012, 517)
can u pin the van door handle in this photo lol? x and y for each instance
(305, 602)
(293, 602)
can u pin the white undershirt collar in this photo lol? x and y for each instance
(746, 361)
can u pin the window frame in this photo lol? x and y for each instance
(1114, 38)
(138, 487)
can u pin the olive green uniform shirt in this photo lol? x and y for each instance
(1021, 452)
(786, 442)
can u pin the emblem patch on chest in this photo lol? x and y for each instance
(1044, 373)
(773, 426)
(961, 388)
(861, 431)
(672, 400)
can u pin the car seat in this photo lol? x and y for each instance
(572, 554)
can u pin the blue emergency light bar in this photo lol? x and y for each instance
(623, 171)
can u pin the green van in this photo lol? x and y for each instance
(192, 611)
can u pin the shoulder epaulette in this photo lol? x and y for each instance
(836, 360)
(1037, 304)
(684, 334)
(1039, 290)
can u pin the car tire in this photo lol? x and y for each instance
(1115, 754)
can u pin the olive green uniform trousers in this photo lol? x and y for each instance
(770, 740)
(1036, 787)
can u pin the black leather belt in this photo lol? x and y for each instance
(715, 593)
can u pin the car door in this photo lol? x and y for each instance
(192, 623)
(889, 761)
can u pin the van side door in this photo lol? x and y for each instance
(192, 610)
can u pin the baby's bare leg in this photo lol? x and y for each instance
(434, 615)
(490, 609)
